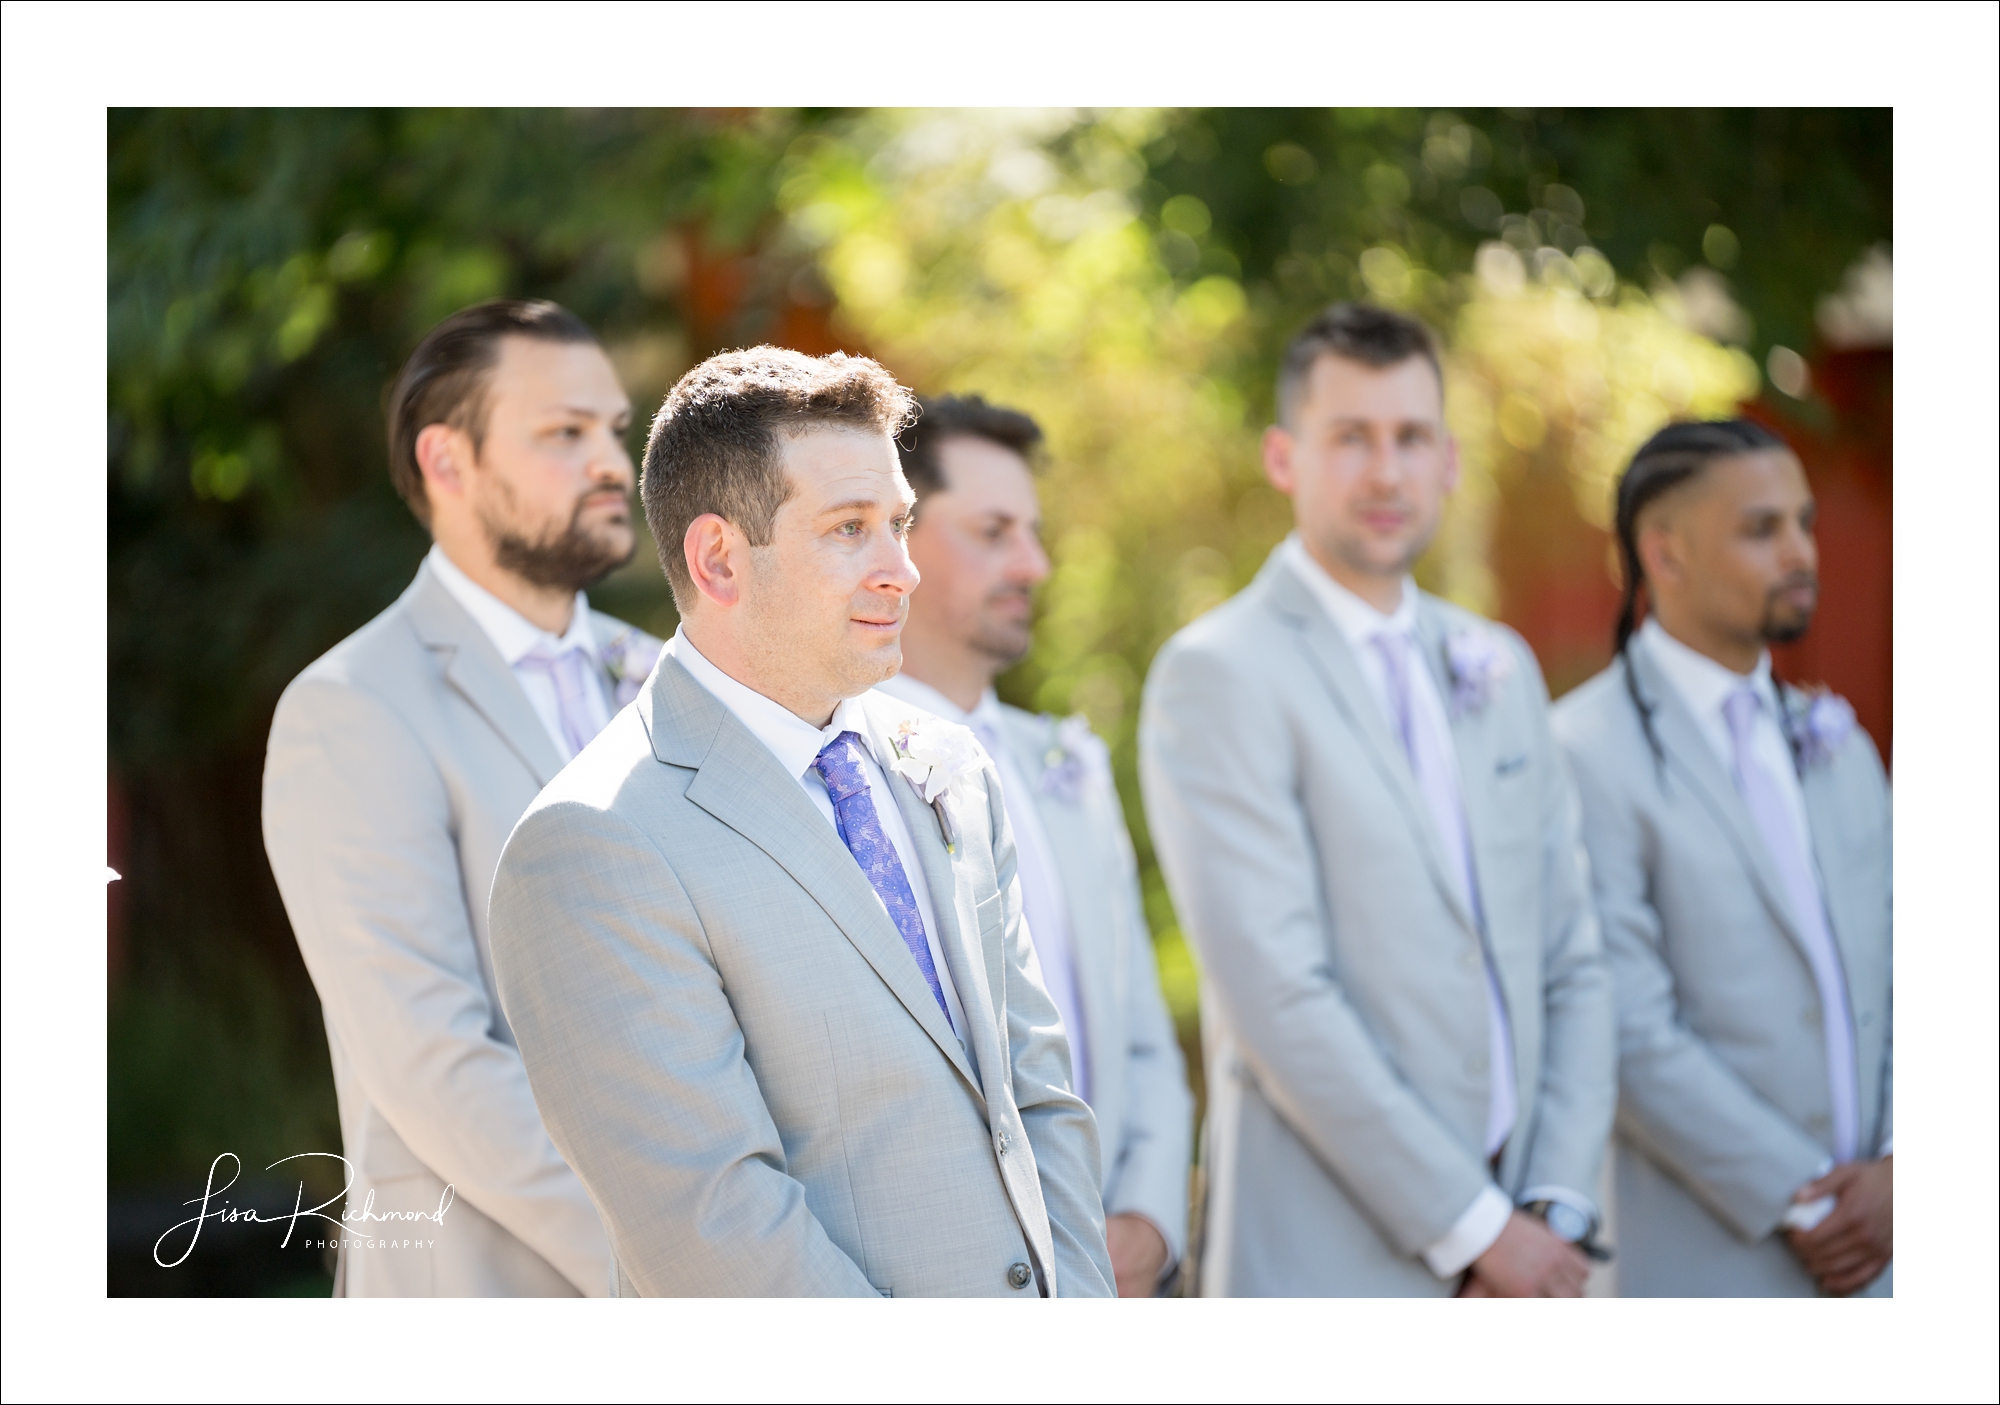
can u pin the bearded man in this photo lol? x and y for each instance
(398, 764)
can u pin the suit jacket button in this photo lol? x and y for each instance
(1018, 1275)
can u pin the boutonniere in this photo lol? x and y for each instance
(1820, 721)
(1073, 753)
(1479, 662)
(930, 755)
(628, 661)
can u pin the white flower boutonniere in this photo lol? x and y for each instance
(1479, 661)
(1073, 755)
(628, 661)
(1820, 720)
(930, 755)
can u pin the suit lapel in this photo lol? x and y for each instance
(475, 670)
(740, 783)
(1695, 761)
(975, 970)
(1085, 873)
(1823, 811)
(1332, 658)
(1472, 738)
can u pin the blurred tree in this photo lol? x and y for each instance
(269, 270)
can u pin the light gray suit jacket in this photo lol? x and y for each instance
(398, 763)
(1145, 1114)
(732, 1045)
(1343, 988)
(1724, 1107)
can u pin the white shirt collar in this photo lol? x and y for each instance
(1704, 684)
(1353, 616)
(512, 634)
(917, 693)
(793, 740)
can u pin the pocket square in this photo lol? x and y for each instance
(1508, 765)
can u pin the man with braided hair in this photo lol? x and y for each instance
(1739, 839)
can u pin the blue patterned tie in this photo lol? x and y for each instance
(839, 765)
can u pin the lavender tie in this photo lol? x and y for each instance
(839, 766)
(569, 672)
(1787, 851)
(1433, 772)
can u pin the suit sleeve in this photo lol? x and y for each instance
(1060, 1127)
(1679, 1103)
(639, 1066)
(358, 828)
(1152, 1152)
(1578, 1092)
(1221, 772)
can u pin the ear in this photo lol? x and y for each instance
(1451, 463)
(1660, 554)
(1278, 467)
(444, 455)
(715, 553)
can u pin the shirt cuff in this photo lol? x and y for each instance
(1888, 1148)
(1562, 1195)
(1472, 1235)
(1808, 1215)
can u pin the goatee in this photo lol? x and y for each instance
(572, 559)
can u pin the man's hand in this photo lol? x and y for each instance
(1138, 1253)
(1847, 1249)
(1527, 1261)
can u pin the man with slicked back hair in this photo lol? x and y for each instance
(399, 762)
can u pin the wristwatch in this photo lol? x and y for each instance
(1570, 1225)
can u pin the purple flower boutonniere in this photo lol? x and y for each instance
(628, 661)
(1479, 662)
(1072, 756)
(1821, 721)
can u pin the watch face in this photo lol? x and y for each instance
(1567, 1222)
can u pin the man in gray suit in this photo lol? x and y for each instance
(1739, 838)
(762, 941)
(1372, 843)
(977, 543)
(398, 764)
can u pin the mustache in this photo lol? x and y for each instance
(1807, 579)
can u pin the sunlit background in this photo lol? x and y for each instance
(1128, 277)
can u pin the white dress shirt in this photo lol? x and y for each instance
(516, 637)
(1045, 906)
(1361, 623)
(797, 744)
(1705, 686)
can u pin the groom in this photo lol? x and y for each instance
(761, 943)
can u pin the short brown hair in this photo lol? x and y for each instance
(444, 381)
(1355, 331)
(714, 444)
(960, 417)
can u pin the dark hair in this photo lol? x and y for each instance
(1670, 458)
(1355, 331)
(714, 444)
(959, 417)
(444, 381)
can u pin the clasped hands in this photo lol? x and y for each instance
(1527, 1261)
(1854, 1243)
